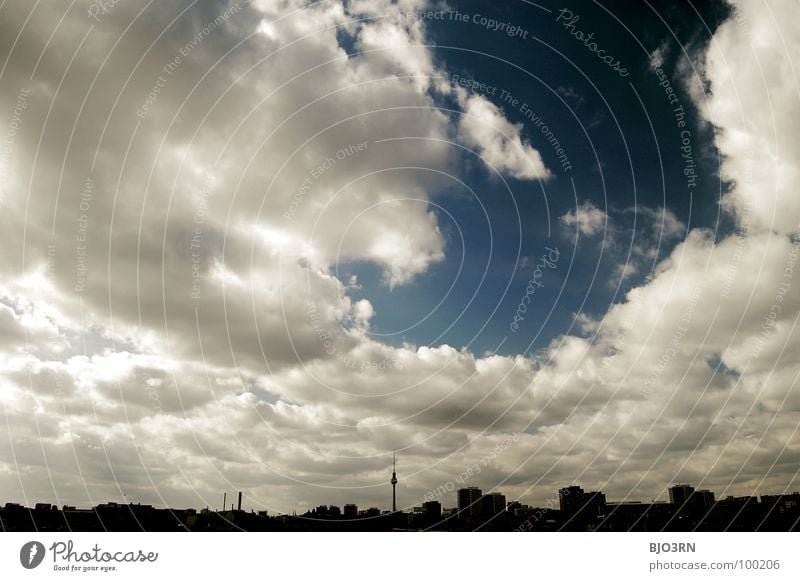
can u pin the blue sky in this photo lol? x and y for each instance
(622, 144)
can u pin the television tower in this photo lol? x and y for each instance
(394, 481)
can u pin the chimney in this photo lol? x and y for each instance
(224, 499)
(240, 501)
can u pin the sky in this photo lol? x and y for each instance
(260, 245)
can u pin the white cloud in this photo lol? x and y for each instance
(587, 217)
(497, 140)
(753, 102)
(659, 54)
(663, 223)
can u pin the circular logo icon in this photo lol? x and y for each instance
(31, 554)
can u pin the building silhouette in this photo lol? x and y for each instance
(680, 494)
(683, 498)
(570, 498)
(469, 502)
(704, 499)
(578, 510)
(581, 508)
(492, 504)
(432, 509)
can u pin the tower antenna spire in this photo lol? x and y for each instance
(394, 481)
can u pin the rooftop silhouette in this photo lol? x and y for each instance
(577, 510)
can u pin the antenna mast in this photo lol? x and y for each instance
(394, 481)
